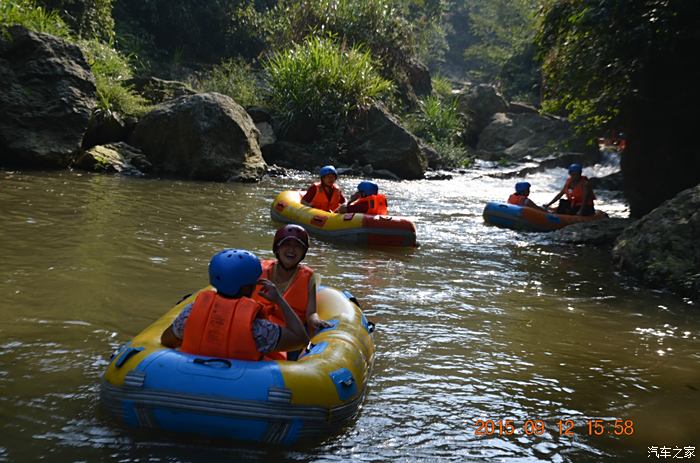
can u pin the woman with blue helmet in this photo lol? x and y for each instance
(324, 195)
(579, 194)
(226, 322)
(520, 197)
(366, 200)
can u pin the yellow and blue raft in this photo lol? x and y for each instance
(147, 385)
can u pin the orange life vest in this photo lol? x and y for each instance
(321, 200)
(575, 194)
(296, 294)
(222, 327)
(517, 199)
(376, 204)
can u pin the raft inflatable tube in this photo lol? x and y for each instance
(530, 219)
(365, 229)
(147, 385)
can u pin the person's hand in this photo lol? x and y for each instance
(269, 291)
(317, 323)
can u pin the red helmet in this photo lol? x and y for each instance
(291, 231)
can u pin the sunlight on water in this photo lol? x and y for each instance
(478, 323)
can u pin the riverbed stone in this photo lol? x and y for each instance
(48, 93)
(114, 157)
(207, 136)
(598, 232)
(662, 248)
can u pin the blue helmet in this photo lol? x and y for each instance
(325, 170)
(575, 168)
(522, 187)
(231, 269)
(368, 188)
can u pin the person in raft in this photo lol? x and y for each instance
(296, 281)
(366, 200)
(324, 195)
(579, 194)
(225, 322)
(520, 197)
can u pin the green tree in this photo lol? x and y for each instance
(629, 66)
(87, 18)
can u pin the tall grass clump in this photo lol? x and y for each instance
(111, 69)
(28, 14)
(235, 78)
(439, 123)
(319, 82)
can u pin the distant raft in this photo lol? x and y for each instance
(366, 229)
(147, 385)
(531, 219)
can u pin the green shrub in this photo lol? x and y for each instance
(321, 82)
(111, 69)
(436, 120)
(452, 154)
(26, 13)
(442, 88)
(233, 77)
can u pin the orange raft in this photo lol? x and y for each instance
(531, 219)
(366, 229)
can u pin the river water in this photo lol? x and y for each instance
(478, 323)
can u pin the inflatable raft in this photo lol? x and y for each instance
(531, 219)
(147, 385)
(364, 229)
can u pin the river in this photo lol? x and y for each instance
(478, 323)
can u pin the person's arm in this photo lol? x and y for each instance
(168, 338)
(293, 336)
(172, 336)
(309, 196)
(312, 318)
(531, 203)
(556, 198)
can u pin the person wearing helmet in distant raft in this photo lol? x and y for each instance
(324, 195)
(296, 281)
(579, 194)
(366, 200)
(520, 197)
(226, 322)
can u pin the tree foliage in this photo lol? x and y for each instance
(87, 18)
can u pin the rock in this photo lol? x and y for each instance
(599, 232)
(437, 176)
(479, 104)
(434, 159)
(48, 93)
(259, 114)
(267, 134)
(419, 78)
(289, 155)
(662, 248)
(381, 141)
(206, 136)
(612, 182)
(385, 174)
(157, 90)
(514, 137)
(114, 157)
(104, 127)
(517, 107)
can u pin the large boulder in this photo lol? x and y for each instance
(596, 232)
(516, 136)
(113, 158)
(662, 248)
(205, 137)
(479, 104)
(381, 141)
(48, 93)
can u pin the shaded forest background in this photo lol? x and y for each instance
(607, 65)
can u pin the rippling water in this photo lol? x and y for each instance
(478, 323)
